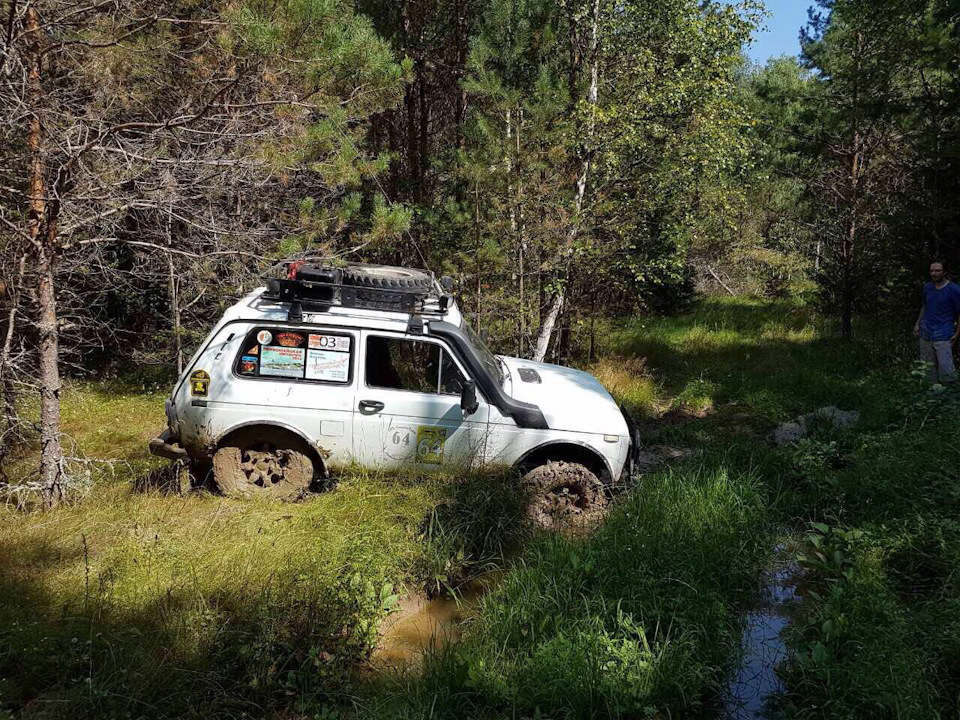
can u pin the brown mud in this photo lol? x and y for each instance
(420, 626)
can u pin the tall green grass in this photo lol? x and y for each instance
(879, 633)
(640, 617)
(132, 603)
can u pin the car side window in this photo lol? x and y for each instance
(414, 365)
(280, 353)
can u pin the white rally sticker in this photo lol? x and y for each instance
(335, 343)
(328, 365)
(264, 337)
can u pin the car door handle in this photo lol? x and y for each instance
(371, 406)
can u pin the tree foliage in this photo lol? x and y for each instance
(564, 160)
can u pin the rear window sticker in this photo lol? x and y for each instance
(338, 343)
(264, 337)
(248, 364)
(328, 365)
(289, 339)
(430, 441)
(199, 383)
(282, 362)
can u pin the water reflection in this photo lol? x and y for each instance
(755, 682)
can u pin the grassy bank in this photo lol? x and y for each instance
(158, 605)
(637, 619)
(134, 602)
(875, 509)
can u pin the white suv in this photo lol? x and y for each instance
(375, 366)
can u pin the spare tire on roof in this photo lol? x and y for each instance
(387, 276)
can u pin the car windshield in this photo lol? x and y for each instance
(489, 360)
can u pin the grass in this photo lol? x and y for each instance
(637, 618)
(198, 606)
(144, 604)
(875, 509)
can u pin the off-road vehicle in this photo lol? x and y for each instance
(375, 366)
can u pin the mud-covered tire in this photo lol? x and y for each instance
(387, 276)
(263, 463)
(564, 495)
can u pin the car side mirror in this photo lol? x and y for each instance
(468, 398)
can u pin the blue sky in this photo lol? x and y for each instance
(781, 34)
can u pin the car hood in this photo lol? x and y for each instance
(569, 399)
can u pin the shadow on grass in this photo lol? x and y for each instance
(177, 651)
(156, 605)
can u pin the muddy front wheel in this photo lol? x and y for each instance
(564, 495)
(263, 464)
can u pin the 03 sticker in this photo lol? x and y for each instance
(430, 442)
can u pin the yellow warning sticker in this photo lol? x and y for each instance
(430, 440)
(199, 383)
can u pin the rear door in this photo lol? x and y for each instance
(408, 405)
(299, 377)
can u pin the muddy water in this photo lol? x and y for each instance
(421, 626)
(755, 683)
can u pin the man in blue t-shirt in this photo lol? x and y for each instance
(937, 325)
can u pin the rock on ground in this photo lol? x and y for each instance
(652, 457)
(791, 432)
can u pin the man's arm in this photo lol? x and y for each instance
(956, 314)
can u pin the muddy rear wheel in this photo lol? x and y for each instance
(263, 463)
(564, 495)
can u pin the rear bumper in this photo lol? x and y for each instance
(166, 446)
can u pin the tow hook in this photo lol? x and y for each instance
(166, 447)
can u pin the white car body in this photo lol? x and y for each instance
(522, 419)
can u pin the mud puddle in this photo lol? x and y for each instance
(421, 626)
(755, 683)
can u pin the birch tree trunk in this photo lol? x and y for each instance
(173, 289)
(12, 434)
(848, 243)
(521, 242)
(556, 305)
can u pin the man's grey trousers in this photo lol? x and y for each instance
(938, 354)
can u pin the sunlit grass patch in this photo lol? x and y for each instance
(696, 397)
(104, 421)
(630, 383)
(201, 593)
(779, 331)
(109, 423)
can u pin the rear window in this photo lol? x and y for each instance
(308, 355)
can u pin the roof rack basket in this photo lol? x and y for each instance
(317, 288)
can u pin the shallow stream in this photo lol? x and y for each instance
(421, 626)
(755, 683)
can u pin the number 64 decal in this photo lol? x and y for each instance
(430, 440)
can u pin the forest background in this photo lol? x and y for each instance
(566, 161)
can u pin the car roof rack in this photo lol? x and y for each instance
(326, 289)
